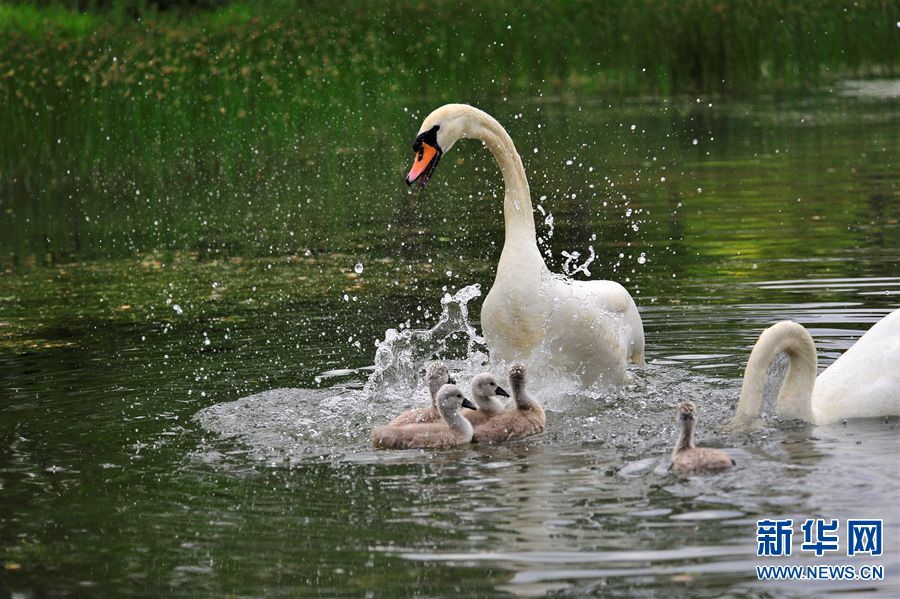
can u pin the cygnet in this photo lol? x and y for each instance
(451, 431)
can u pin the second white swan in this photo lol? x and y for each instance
(863, 383)
(591, 328)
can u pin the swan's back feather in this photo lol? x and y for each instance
(865, 381)
(630, 328)
(594, 329)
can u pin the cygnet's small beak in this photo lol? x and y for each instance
(468, 404)
(501, 391)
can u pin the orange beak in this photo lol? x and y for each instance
(426, 160)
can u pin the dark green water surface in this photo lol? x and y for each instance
(133, 330)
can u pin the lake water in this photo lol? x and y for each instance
(185, 406)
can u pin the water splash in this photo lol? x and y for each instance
(287, 426)
(544, 240)
(573, 269)
(400, 358)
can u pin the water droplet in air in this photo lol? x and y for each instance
(358, 268)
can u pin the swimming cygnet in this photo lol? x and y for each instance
(436, 376)
(526, 418)
(687, 459)
(484, 392)
(451, 431)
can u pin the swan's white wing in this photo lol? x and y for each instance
(611, 299)
(592, 328)
(865, 381)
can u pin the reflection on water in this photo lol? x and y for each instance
(222, 447)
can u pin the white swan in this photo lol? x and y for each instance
(591, 328)
(863, 383)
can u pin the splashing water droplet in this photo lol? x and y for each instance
(358, 268)
(400, 356)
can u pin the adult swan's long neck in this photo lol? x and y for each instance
(795, 396)
(515, 309)
(517, 211)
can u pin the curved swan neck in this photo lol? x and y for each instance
(795, 395)
(517, 210)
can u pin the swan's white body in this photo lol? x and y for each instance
(863, 383)
(591, 328)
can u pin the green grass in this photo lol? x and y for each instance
(50, 20)
(186, 106)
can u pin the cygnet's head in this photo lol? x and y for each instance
(685, 413)
(449, 399)
(517, 377)
(436, 376)
(485, 385)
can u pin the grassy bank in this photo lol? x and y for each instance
(619, 46)
(139, 106)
